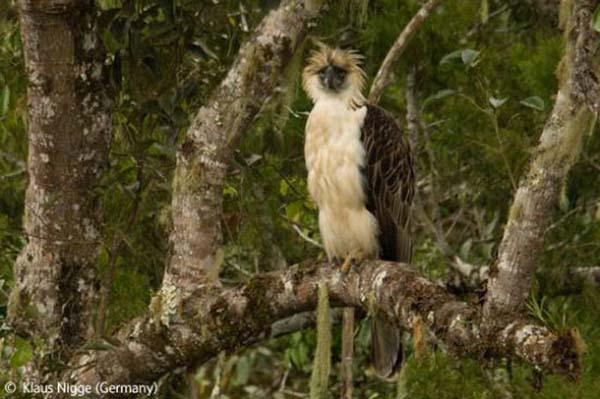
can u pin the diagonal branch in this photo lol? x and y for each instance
(213, 320)
(202, 160)
(384, 75)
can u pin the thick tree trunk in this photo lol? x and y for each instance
(203, 158)
(559, 146)
(213, 320)
(69, 132)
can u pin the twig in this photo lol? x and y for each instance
(304, 236)
(412, 108)
(301, 321)
(384, 75)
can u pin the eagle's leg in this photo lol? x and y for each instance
(347, 264)
(353, 259)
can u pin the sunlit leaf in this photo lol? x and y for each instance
(201, 46)
(454, 57)
(466, 56)
(438, 96)
(497, 102)
(534, 102)
(469, 56)
(4, 100)
(485, 11)
(596, 19)
(293, 210)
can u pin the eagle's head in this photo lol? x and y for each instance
(334, 73)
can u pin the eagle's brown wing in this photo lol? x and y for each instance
(389, 188)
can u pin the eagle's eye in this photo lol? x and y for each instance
(340, 72)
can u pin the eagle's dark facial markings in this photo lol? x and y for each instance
(332, 77)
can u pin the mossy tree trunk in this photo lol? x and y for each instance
(559, 146)
(69, 126)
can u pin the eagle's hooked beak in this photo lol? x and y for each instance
(328, 78)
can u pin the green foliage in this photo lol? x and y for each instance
(13, 149)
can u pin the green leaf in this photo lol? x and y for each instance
(99, 346)
(485, 11)
(243, 368)
(22, 354)
(469, 56)
(230, 191)
(4, 100)
(438, 96)
(534, 102)
(465, 56)
(497, 102)
(204, 48)
(454, 57)
(252, 159)
(465, 249)
(596, 19)
(293, 210)
(283, 187)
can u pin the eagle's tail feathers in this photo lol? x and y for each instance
(387, 347)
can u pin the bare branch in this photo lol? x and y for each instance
(302, 321)
(412, 108)
(305, 237)
(384, 75)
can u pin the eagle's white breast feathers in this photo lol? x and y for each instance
(334, 156)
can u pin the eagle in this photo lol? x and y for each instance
(360, 175)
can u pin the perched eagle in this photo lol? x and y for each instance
(360, 174)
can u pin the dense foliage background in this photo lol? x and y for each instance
(485, 83)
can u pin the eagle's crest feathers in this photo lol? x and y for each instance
(347, 60)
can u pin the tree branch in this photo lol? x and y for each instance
(203, 158)
(384, 75)
(214, 320)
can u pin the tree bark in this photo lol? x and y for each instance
(202, 160)
(559, 146)
(214, 320)
(69, 127)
